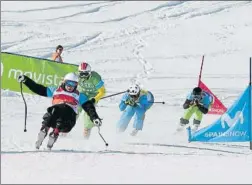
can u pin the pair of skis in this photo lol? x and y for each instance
(181, 128)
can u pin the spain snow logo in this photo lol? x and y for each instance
(233, 126)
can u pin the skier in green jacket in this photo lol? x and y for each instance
(90, 83)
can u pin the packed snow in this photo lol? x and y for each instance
(156, 43)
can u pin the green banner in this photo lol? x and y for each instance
(42, 71)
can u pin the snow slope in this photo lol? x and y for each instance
(160, 45)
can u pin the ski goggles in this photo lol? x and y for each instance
(83, 74)
(196, 97)
(71, 83)
(134, 96)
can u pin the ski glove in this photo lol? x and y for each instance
(97, 122)
(21, 78)
(197, 103)
(130, 102)
(93, 100)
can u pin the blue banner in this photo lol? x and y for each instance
(233, 126)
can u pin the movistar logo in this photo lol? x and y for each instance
(37, 77)
(232, 121)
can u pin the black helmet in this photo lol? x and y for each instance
(197, 91)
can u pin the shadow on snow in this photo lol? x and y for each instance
(106, 151)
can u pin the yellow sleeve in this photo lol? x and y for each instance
(100, 94)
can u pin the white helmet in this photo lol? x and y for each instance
(70, 81)
(84, 70)
(71, 77)
(134, 90)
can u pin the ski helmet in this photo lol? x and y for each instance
(70, 80)
(71, 77)
(84, 70)
(197, 91)
(134, 90)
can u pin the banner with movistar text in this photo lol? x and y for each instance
(42, 71)
(233, 126)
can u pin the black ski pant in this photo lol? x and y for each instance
(61, 116)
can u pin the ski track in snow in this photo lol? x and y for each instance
(157, 44)
(77, 5)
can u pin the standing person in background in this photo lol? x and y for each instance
(57, 55)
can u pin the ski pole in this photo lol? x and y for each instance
(114, 94)
(102, 136)
(158, 102)
(21, 87)
(155, 102)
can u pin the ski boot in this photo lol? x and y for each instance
(182, 124)
(53, 136)
(196, 124)
(195, 127)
